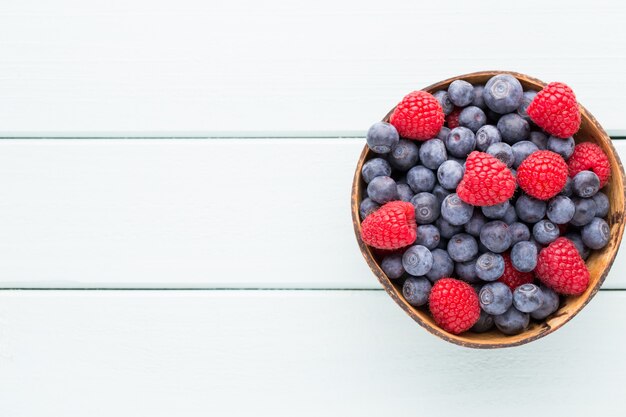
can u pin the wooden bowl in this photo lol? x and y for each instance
(599, 262)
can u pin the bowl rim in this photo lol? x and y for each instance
(409, 310)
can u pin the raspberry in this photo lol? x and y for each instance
(487, 181)
(418, 116)
(390, 227)
(561, 268)
(511, 276)
(452, 119)
(454, 305)
(555, 110)
(542, 175)
(588, 156)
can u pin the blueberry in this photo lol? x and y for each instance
(420, 179)
(461, 93)
(524, 256)
(404, 192)
(382, 137)
(522, 150)
(510, 216)
(461, 141)
(440, 193)
(564, 147)
(392, 266)
(561, 209)
(519, 232)
(487, 136)
(462, 247)
(596, 234)
(427, 208)
(495, 236)
(527, 97)
(367, 207)
(527, 298)
(478, 100)
(400, 177)
(489, 266)
(376, 167)
(602, 204)
(503, 93)
(475, 223)
(545, 232)
(585, 211)
(404, 155)
(472, 118)
(577, 240)
(456, 211)
(513, 128)
(443, 244)
(447, 230)
(444, 100)
(428, 236)
(585, 184)
(492, 116)
(433, 153)
(540, 139)
(503, 152)
(416, 291)
(450, 174)
(495, 298)
(442, 265)
(417, 260)
(382, 190)
(529, 209)
(467, 271)
(497, 211)
(484, 323)
(512, 321)
(549, 304)
(568, 188)
(443, 133)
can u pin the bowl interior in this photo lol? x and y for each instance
(599, 262)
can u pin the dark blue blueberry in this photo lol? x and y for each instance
(416, 291)
(461, 141)
(450, 174)
(382, 190)
(461, 161)
(476, 223)
(527, 298)
(440, 193)
(545, 232)
(529, 209)
(568, 188)
(382, 137)
(443, 133)
(427, 208)
(462, 247)
(585, 211)
(404, 155)
(376, 167)
(540, 139)
(503, 93)
(495, 298)
(524, 256)
(549, 304)
(522, 150)
(602, 204)
(564, 147)
(428, 236)
(461, 93)
(392, 266)
(484, 323)
(510, 216)
(433, 153)
(577, 240)
(367, 207)
(489, 266)
(503, 152)
(492, 116)
(560, 209)
(527, 97)
(420, 179)
(400, 177)
(478, 100)
(404, 192)
(467, 271)
(456, 211)
(446, 229)
(443, 244)
(444, 99)
(596, 234)
(512, 321)
(585, 184)
(497, 211)
(417, 260)
(487, 136)
(442, 265)
(519, 232)
(472, 118)
(495, 236)
(513, 128)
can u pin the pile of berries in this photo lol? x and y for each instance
(481, 205)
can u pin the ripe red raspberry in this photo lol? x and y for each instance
(512, 277)
(588, 156)
(487, 181)
(542, 175)
(555, 110)
(452, 120)
(454, 305)
(560, 267)
(418, 116)
(390, 227)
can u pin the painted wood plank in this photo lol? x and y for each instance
(153, 67)
(288, 353)
(246, 213)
